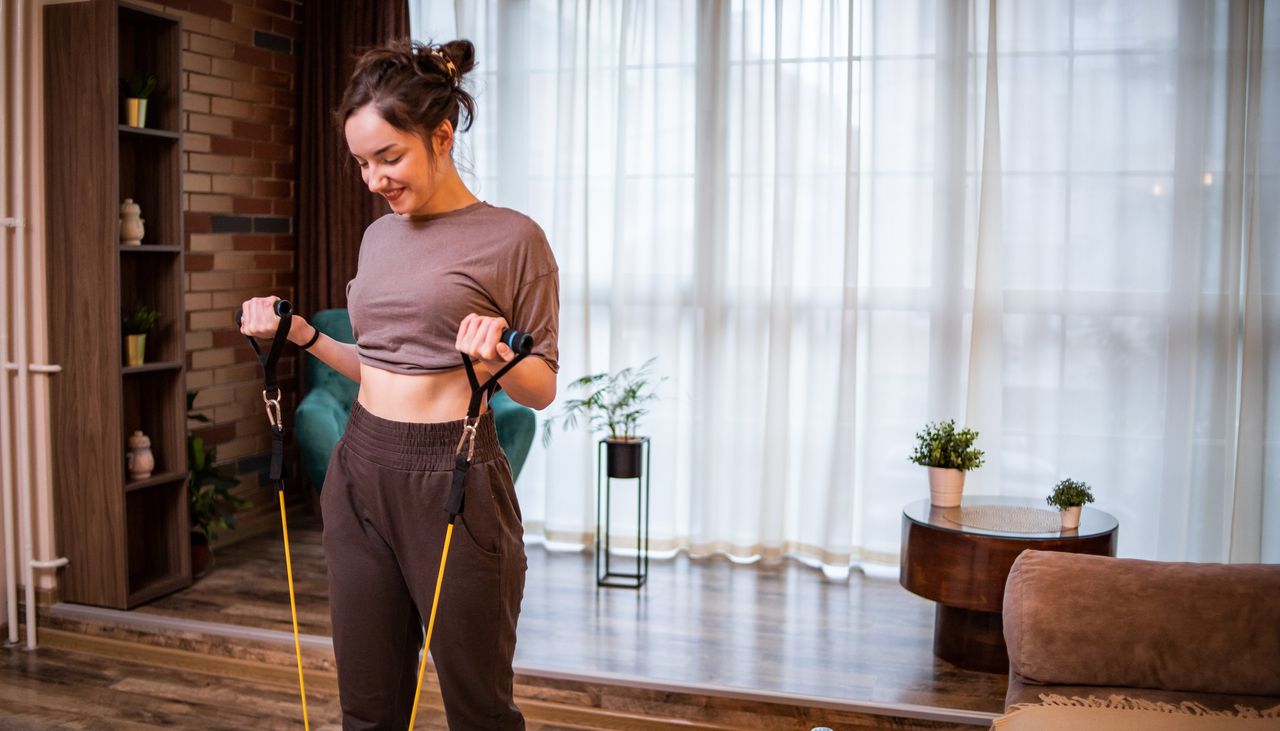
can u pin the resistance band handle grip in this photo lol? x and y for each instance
(519, 342)
(282, 309)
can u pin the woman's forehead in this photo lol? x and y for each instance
(368, 133)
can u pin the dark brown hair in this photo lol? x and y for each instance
(412, 87)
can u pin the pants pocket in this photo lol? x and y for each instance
(480, 522)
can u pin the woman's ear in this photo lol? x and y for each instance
(442, 138)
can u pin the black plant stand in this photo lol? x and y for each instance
(605, 576)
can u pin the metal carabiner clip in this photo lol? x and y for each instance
(468, 433)
(273, 409)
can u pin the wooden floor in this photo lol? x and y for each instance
(87, 682)
(706, 645)
(781, 629)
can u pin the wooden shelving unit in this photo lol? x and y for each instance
(128, 541)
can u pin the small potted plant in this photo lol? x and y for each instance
(1069, 496)
(137, 90)
(616, 403)
(212, 506)
(136, 324)
(948, 454)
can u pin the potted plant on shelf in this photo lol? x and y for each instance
(948, 454)
(616, 403)
(212, 506)
(137, 90)
(136, 324)
(1069, 496)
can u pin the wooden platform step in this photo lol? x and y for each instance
(550, 700)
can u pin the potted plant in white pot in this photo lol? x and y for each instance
(1069, 496)
(614, 403)
(948, 454)
(137, 90)
(135, 325)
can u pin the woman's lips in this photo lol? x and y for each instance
(392, 196)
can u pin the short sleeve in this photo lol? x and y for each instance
(536, 310)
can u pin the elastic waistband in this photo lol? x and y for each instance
(407, 445)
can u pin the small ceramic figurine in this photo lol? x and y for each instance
(139, 458)
(131, 228)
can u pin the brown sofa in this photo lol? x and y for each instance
(1174, 637)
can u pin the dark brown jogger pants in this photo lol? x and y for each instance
(383, 505)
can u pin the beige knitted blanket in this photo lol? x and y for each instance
(1122, 713)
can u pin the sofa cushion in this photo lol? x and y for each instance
(1073, 619)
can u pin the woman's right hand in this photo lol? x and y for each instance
(258, 317)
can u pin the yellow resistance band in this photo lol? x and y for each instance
(293, 607)
(431, 624)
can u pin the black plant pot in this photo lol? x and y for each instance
(623, 457)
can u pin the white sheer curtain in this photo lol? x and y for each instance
(799, 207)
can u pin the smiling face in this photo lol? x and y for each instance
(396, 164)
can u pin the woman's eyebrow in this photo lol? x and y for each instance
(377, 152)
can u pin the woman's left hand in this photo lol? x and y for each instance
(481, 337)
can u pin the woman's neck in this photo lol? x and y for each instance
(450, 195)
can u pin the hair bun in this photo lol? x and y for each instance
(463, 54)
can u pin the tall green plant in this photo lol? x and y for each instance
(212, 504)
(613, 402)
(940, 445)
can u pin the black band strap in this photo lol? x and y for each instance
(479, 391)
(315, 335)
(462, 461)
(271, 389)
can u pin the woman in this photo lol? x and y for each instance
(441, 275)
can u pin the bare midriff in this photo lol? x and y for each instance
(428, 397)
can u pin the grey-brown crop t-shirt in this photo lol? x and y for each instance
(418, 277)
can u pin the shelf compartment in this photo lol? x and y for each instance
(150, 43)
(154, 403)
(154, 281)
(150, 174)
(158, 540)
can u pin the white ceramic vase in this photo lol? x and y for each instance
(1070, 517)
(946, 486)
(140, 459)
(131, 228)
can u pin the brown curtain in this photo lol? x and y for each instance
(334, 206)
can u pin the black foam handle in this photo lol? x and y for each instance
(520, 342)
(282, 309)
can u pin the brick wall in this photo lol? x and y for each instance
(240, 103)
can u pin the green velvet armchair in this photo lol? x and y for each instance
(322, 415)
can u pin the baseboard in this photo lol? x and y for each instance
(562, 699)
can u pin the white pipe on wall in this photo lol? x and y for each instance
(22, 390)
(41, 426)
(40, 471)
(9, 61)
(24, 472)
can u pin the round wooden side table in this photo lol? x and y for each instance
(964, 569)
